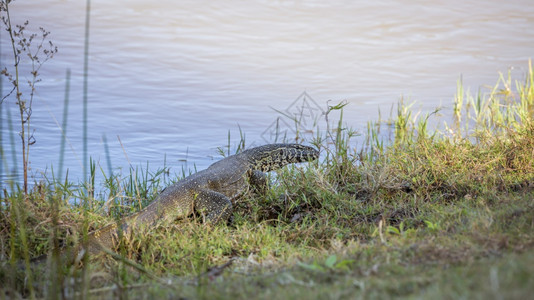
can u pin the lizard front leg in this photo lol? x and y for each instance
(213, 206)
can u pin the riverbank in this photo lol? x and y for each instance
(418, 214)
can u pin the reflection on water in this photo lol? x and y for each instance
(173, 79)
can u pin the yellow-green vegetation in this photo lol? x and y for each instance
(424, 214)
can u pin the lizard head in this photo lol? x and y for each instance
(274, 156)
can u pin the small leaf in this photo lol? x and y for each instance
(339, 106)
(392, 230)
(313, 267)
(330, 261)
(344, 264)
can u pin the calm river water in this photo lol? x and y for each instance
(173, 78)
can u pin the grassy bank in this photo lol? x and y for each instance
(424, 214)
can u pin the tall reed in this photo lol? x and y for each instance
(64, 124)
(90, 190)
(108, 157)
(496, 111)
(85, 86)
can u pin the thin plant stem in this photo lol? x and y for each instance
(18, 95)
(64, 125)
(108, 157)
(85, 85)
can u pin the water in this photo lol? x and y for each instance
(171, 79)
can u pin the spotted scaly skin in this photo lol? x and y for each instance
(209, 192)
